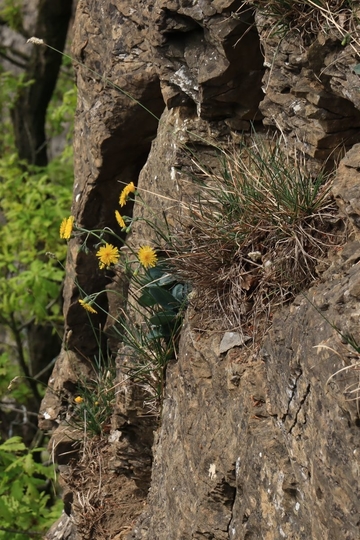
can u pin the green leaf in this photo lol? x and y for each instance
(153, 274)
(147, 300)
(5, 511)
(157, 333)
(12, 445)
(162, 297)
(29, 465)
(17, 490)
(166, 280)
(163, 318)
(180, 292)
(159, 275)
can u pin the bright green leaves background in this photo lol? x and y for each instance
(33, 202)
(23, 500)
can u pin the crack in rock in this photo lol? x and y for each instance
(302, 401)
(293, 387)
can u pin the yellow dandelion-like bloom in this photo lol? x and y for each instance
(130, 188)
(87, 306)
(107, 255)
(79, 399)
(147, 256)
(66, 227)
(120, 219)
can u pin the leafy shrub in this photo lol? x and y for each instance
(25, 508)
(32, 203)
(33, 200)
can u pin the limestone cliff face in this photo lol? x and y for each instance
(250, 445)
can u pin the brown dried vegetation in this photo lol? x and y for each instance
(257, 233)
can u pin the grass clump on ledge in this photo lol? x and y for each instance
(309, 17)
(256, 233)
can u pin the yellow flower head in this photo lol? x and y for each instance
(79, 399)
(66, 227)
(87, 306)
(147, 256)
(107, 255)
(130, 188)
(120, 219)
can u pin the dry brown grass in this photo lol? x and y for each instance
(309, 17)
(256, 234)
(105, 504)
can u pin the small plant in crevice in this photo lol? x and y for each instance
(351, 390)
(95, 398)
(350, 374)
(149, 321)
(256, 234)
(162, 318)
(160, 300)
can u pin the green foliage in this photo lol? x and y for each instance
(9, 371)
(24, 505)
(33, 203)
(153, 342)
(11, 13)
(61, 109)
(60, 117)
(161, 291)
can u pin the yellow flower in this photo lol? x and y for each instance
(147, 256)
(66, 227)
(120, 219)
(79, 399)
(87, 306)
(107, 254)
(130, 188)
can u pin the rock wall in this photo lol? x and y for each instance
(251, 443)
